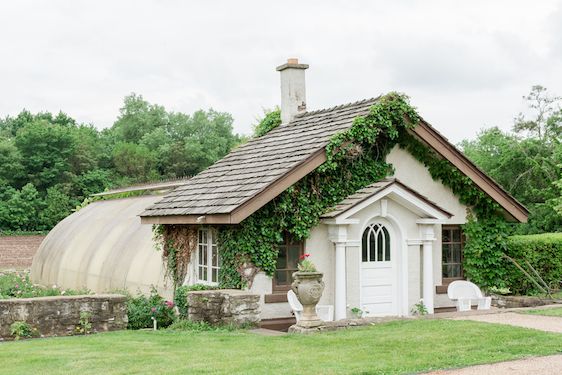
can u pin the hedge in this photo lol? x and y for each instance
(543, 252)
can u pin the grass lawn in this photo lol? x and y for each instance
(556, 311)
(391, 348)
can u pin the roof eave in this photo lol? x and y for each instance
(443, 147)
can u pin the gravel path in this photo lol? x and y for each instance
(540, 322)
(549, 365)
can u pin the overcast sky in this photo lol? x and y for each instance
(464, 64)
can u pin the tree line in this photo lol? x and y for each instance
(50, 163)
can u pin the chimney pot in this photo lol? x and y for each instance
(293, 90)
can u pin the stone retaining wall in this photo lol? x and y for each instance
(224, 306)
(16, 252)
(60, 315)
(520, 301)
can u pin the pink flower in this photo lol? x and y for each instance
(17, 286)
(304, 256)
(169, 304)
(153, 309)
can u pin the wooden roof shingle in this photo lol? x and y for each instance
(252, 167)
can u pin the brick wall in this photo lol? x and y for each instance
(17, 251)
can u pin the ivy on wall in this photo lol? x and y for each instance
(485, 230)
(356, 158)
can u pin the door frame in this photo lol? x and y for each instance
(398, 257)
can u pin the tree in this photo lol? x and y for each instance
(11, 170)
(21, 210)
(527, 162)
(46, 150)
(134, 161)
(547, 122)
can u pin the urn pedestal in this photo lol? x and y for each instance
(308, 286)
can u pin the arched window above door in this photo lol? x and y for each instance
(376, 244)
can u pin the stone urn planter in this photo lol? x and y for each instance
(308, 286)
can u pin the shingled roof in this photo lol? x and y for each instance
(253, 174)
(247, 171)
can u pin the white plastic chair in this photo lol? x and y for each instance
(464, 292)
(324, 312)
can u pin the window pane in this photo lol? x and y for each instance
(380, 247)
(455, 270)
(456, 235)
(214, 275)
(214, 237)
(372, 246)
(214, 257)
(282, 258)
(364, 245)
(386, 244)
(456, 252)
(200, 276)
(446, 235)
(446, 253)
(294, 254)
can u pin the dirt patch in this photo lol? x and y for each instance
(540, 322)
(549, 365)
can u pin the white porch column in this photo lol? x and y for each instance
(428, 236)
(338, 235)
(340, 297)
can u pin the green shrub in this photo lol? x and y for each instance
(188, 325)
(180, 298)
(21, 330)
(543, 252)
(141, 310)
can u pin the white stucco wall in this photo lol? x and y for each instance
(414, 175)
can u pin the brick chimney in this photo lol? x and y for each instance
(293, 91)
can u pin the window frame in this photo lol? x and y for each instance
(211, 248)
(448, 280)
(376, 229)
(287, 241)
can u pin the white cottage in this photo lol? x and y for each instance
(381, 249)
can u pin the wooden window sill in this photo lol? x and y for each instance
(275, 298)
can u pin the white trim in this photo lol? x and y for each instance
(402, 196)
(211, 246)
(384, 207)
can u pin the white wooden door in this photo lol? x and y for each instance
(378, 271)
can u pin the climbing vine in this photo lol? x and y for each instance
(355, 158)
(486, 230)
(177, 243)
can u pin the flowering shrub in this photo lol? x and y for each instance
(141, 309)
(18, 285)
(306, 265)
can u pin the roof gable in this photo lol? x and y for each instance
(255, 173)
(393, 189)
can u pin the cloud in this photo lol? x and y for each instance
(452, 58)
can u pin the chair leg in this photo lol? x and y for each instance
(463, 305)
